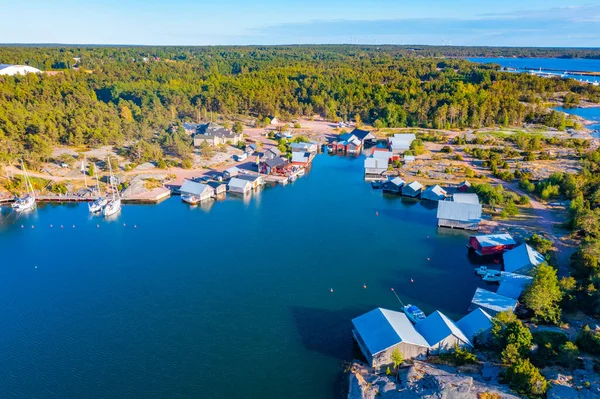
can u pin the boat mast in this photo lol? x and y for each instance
(98, 183)
(112, 186)
(27, 181)
(83, 171)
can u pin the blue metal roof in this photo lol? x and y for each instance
(476, 322)
(522, 258)
(492, 301)
(382, 328)
(437, 326)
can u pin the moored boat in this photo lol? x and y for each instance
(26, 203)
(377, 184)
(114, 205)
(413, 313)
(492, 277)
(190, 199)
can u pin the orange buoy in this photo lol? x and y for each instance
(364, 286)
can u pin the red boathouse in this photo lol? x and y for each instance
(491, 244)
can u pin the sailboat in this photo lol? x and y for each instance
(100, 202)
(114, 205)
(27, 202)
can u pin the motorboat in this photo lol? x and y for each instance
(492, 277)
(190, 198)
(413, 313)
(377, 184)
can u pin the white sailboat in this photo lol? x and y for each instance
(100, 202)
(27, 202)
(114, 205)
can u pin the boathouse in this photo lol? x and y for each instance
(273, 166)
(271, 153)
(492, 302)
(464, 186)
(255, 180)
(441, 333)
(198, 190)
(476, 325)
(513, 285)
(465, 198)
(240, 186)
(363, 135)
(301, 158)
(412, 189)
(491, 244)
(459, 215)
(393, 186)
(231, 172)
(375, 167)
(522, 259)
(399, 143)
(379, 332)
(304, 147)
(219, 187)
(384, 155)
(434, 193)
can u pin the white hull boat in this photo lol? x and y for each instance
(113, 207)
(98, 205)
(492, 277)
(190, 199)
(413, 313)
(24, 204)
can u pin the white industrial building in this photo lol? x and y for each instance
(11, 70)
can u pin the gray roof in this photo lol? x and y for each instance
(234, 170)
(397, 181)
(249, 177)
(522, 258)
(476, 322)
(274, 162)
(362, 134)
(194, 188)
(465, 198)
(463, 212)
(301, 146)
(274, 150)
(383, 328)
(434, 193)
(494, 240)
(436, 327)
(300, 156)
(238, 182)
(415, 185)
(385, 155)
(492, 301)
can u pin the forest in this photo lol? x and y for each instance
(101, 95)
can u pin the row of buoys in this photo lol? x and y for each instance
(61, 226)
(365, 285)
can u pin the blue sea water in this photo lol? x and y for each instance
(555, 65)
(225, 301)
(591, 114)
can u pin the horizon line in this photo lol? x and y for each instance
(289, 45)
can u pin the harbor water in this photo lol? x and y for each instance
(240, 298)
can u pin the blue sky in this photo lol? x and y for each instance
(200, 22)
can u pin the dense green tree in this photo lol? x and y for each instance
(543, 296)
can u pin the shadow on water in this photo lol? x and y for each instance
(329, 332)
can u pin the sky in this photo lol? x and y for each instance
(244, 22)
